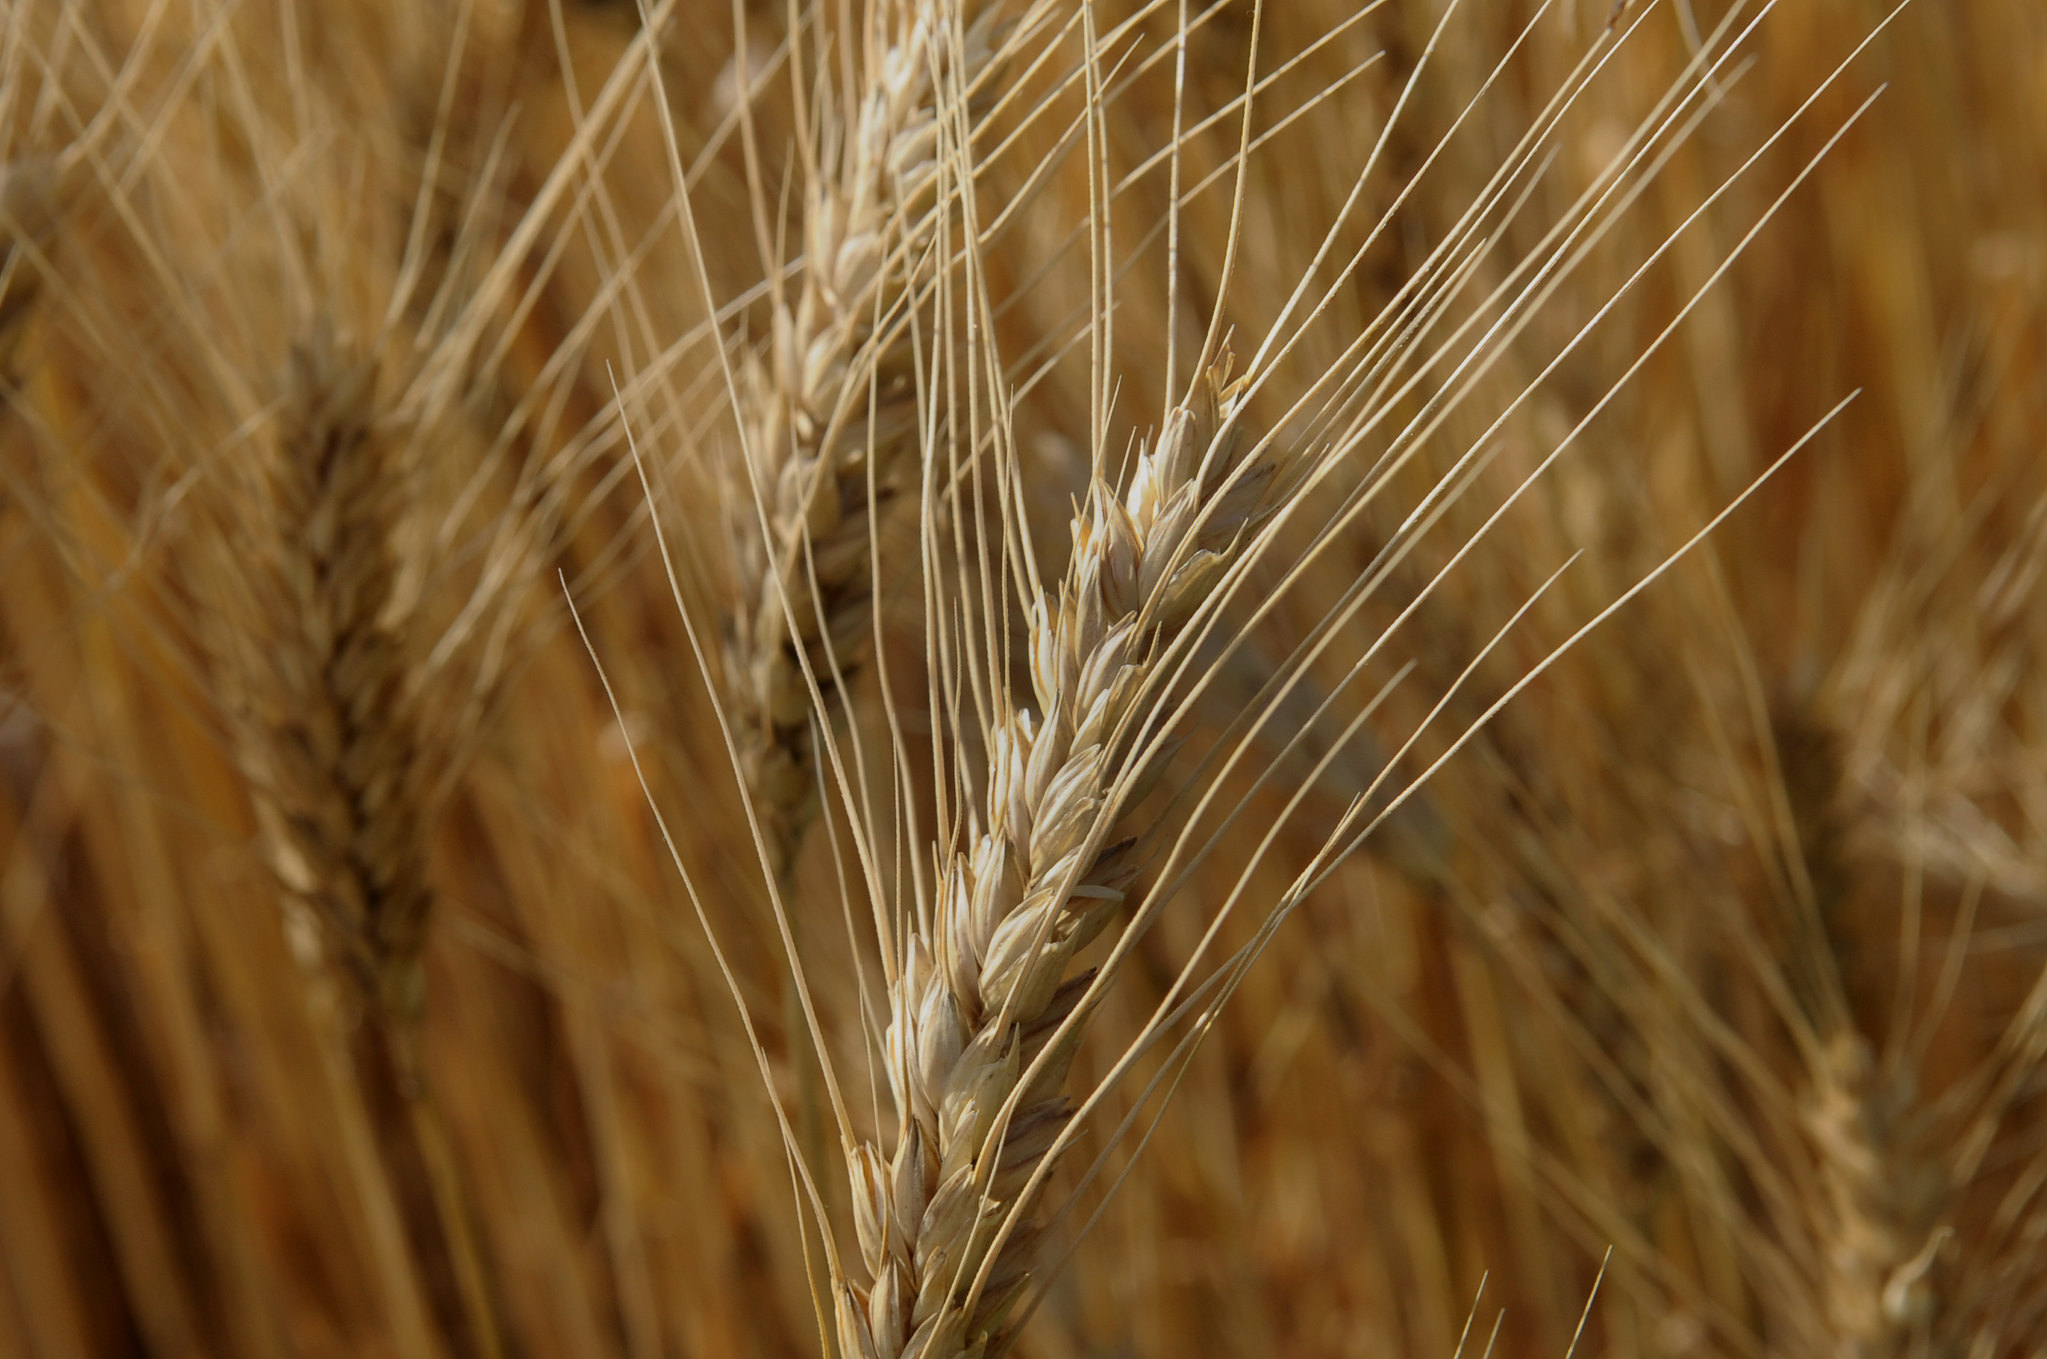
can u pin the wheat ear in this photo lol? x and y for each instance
(978, 1042)
(828, 410)
(338, 755)
(1877, 1241)
(339, 737)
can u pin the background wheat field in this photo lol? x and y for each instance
(518, 532)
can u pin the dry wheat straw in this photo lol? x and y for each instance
(30, 189)
(828, 410)
(984, 992)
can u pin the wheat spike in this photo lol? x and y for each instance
(1879, 1248)
(1642, 976)
(30, 207)
(338, 751)
(978, 1043)
(339, 744)
(828, 411)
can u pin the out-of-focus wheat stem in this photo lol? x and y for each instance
(1877, 1246)
(30, 189)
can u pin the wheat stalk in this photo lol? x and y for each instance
(1782, 1163)
(30, 208)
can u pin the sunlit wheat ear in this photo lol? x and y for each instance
(984, 1018)
(985, 983)
(827, 403)
(982, 1014)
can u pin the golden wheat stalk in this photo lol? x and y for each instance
(30, 192)
(983, 1017)
(1775, 1221)
(340, 760)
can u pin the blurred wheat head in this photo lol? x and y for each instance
(949, 676)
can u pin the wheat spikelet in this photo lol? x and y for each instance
(1878, 1288)
(338, 755)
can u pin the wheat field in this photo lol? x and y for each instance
(1067, 677)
